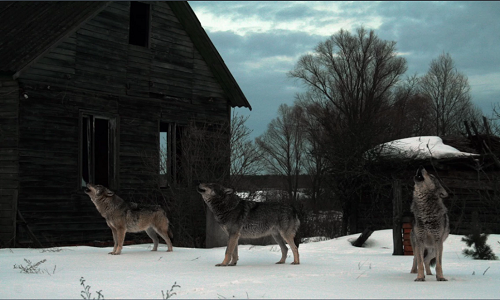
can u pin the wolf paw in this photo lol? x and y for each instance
(441, 279)
(420, 279)
(221, 265)
(295, 263)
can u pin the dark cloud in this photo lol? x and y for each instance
(267, 44)
(281, 11)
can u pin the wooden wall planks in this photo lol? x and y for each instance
(95, 69)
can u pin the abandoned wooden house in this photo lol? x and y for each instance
(85, 88)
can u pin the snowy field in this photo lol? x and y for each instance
(328, 269)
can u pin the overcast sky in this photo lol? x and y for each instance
(261, 41)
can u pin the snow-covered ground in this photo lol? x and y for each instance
(328, 269)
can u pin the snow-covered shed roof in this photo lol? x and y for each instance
(420, 147)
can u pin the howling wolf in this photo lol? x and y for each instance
(250, 219)
(122, 216)
(430, 226)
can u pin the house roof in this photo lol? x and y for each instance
(208, 51)
(31, 29)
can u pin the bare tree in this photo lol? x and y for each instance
(315, 165)
(282, 147)
(411, 111)
(355, 73)
(245, 156)
(351, 77)
(449, 92)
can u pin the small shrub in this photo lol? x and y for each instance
(86, 291)
(170, 293)
(481, 250)
(30, 268)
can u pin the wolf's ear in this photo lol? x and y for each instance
(228, 191)
(108, 193)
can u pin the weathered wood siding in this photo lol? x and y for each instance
(96, 69)
(9, 160)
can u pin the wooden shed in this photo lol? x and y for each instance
(84, 88)
(472, 182)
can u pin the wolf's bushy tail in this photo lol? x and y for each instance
(298, 210)
(432, 263)
(297, 239)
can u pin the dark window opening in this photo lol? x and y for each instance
(86, 150)
(170, 151)
(97, 150)
(139, 24)
(101, 167)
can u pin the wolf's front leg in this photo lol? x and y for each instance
(439, 262)
(418, 252)
(234, 257)
(414, 266)
(231, 245)
(120, 238)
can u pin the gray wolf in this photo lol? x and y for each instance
(249, 219)
(122, 216)
(431, 225)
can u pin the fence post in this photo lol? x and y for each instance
(397, 215)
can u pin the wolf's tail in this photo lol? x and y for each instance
(297, 239)
(433, 262)
(298, 209)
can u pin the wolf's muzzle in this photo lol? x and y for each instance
(419, 176)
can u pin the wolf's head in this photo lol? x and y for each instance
(97, 191)
(212, 191)
(426, 183)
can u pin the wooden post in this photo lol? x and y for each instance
(362, 238)
(397, 215)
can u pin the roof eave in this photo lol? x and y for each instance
(202, 42)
